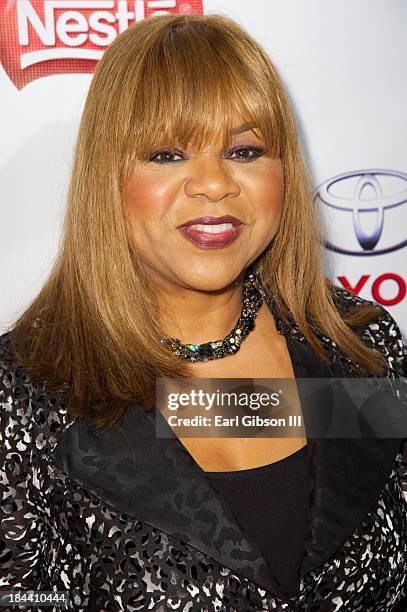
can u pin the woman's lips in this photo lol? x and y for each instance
(211, 236)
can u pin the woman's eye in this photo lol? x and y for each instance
(244, 154)
(258, 152)
(166, 155)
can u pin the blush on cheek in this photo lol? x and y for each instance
(272, 199)
(148, 196)
(135, 196)
(147, 205)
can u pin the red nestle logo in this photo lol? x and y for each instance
(44, 37)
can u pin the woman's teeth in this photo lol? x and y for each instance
(213, 229)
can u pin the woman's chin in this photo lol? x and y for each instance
(212, 278)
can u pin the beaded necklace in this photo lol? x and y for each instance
(216, 349)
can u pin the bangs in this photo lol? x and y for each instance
(194, 86)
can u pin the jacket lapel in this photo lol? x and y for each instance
(155, 480)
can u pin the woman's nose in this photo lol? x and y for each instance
(210, 177)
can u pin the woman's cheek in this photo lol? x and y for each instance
(141, 206)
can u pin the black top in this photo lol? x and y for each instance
(271, 504)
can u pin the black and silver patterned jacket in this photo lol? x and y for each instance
(124, 520)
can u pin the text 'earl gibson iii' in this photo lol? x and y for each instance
(235, 421)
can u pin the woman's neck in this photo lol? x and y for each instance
(199, 316)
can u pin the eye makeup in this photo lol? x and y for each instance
(257, 152)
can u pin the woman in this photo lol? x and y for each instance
(187, 125)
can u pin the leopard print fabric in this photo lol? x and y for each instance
(56, 536)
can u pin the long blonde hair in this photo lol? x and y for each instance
(93, 328)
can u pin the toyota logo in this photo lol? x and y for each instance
(363, 211)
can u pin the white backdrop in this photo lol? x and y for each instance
(344, 64)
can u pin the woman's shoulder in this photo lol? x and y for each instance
(29, 412)
(385, 335)
(382, 333)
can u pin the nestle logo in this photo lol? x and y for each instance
(44, 37)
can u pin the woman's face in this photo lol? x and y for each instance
(170, 189)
